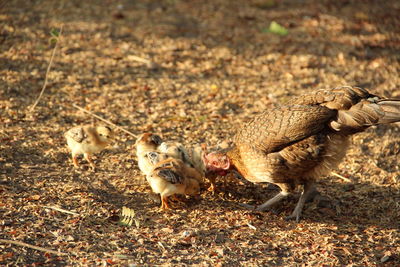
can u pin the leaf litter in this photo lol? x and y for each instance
(192, 71)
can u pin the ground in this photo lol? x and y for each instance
(215, 65)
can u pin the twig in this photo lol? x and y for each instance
(48, 70)
(61, 210)
(251, 226)
(341, 177)
(106, 121)
(161, 245)
(22, 244)
(149, 64)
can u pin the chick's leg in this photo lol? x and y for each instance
(89, 159)
(164, 203)
(75, 160)
(177, 199)
(286, 189)
(308, 192)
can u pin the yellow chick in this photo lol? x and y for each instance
(146, 152)
(148, 160)
(196, 155)
(192, 157)
(87, 140)
(172, 176)
(147, 142)
(175, 150)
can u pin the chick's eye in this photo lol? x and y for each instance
(101, 134)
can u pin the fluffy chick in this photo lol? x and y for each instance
(87, 140)
(172, 176)
(147, 153)
(175, 150)
(147, 142)
(147, 161)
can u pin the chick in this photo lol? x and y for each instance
(147, 142)
(151, 149)
(176, 150)
(87, 140)
(148, 160)
(146, 152)
(196, 155)
(193, 157)
(172, 176)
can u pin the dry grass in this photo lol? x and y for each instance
(215, 69)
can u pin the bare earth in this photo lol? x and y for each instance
(217, 67)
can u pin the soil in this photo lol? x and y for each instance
(213, 65)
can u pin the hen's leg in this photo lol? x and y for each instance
(286, 190)
(268, 204)
(308, 192)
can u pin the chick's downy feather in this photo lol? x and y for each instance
(170, 177)
(87, 140)
(147, 153)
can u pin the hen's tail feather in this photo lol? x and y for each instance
(391, 109)
(367, 113)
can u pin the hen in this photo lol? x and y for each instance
(299, 142)
(87, 140)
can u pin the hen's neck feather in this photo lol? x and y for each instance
(236, 162)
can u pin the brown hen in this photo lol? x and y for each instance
(301, 141)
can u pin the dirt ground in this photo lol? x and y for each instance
(217, 66)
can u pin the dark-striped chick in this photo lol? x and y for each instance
(172, 176)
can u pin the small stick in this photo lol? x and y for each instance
(251, 226)
(149, 64)
(48, 70)
(106, 121)
(341, 177)
(61, 210)
(22, 244)
(161, 245)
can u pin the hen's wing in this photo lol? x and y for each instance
(273, 130)
(340, 98)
